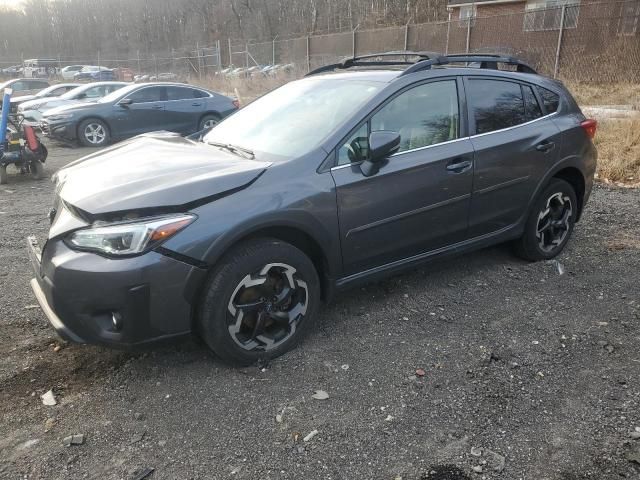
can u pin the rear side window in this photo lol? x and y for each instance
(531, 106)
(37, 84)
(496, 104)
(550, 100)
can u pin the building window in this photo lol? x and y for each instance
(467, 14)
(629, 18)
(547, 14)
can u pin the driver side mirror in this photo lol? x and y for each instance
(125, 102)
(382, 145)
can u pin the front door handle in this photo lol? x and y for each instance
(459, 167)
(157, 107)
(545, 146)
(196, 104)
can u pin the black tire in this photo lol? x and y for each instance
(550, 222)
(36, 168)
(93, 133)
(208, 121)
(230, 331)
(4, 178)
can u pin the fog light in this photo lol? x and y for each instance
(116, 321)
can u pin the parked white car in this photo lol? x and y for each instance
(69, 71)
(32, 110)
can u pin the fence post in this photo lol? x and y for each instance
(155, 62)
(139, 70)
(446, 47)
(406, 37)
(198, 56)
(219, 55)
(246, 54)
(308, 53)
(353, 42)
(556, 66)
(230, 53)
(468, 33)
(273, 50)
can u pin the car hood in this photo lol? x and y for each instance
(22, 98)
(159, 171)
(69, 106)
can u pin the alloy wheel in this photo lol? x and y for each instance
(554, 222)
(266, 307)
(95, 133)
(209, 123)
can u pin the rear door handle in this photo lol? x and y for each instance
(157, 107)
(196, 104)
(545, 146)
(459, 167)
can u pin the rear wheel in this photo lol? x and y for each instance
(93, 133)
(550, 222)
(259, 302)
(208, 121)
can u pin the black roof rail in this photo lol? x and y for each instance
(486, 60)
(357, 61)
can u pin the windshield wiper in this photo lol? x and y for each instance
(243, 152)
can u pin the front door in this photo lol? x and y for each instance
(515, 145)
(418, 201)
(144, 114)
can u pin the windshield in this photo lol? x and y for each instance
(46, 91)
(295, 118)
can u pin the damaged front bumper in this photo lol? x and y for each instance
(120, 303)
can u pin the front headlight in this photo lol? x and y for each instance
(130, 238)
(60, 116)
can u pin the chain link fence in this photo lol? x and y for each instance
(594, 42)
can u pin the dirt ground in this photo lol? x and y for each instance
(481, 367)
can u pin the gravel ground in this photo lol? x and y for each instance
(483, 362)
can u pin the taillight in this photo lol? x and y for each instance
(590, 126)
(236, 103)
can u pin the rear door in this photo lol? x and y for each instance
(418, 201)
(144, 114)
(183, 109)
(514, 143)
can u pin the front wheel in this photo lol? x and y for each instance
(550, 223)
(259, 301)
(93, 133)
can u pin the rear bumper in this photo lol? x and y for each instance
(81, 293)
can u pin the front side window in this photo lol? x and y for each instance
(146, 95)
(425, 115)
(295, 118)
(356, 148)
(495, 104)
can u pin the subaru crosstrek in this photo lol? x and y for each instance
(327, 182)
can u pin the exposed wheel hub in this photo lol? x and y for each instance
(554, 222)
(266, 307)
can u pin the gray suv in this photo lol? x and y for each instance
(358, 171)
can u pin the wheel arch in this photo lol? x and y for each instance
(574, 177)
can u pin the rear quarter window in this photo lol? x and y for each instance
(550, 100)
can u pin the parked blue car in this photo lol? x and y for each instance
(95, 74)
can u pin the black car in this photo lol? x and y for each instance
(136, 109)
(320, 185)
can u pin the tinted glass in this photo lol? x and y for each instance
(356, 148)
(424, 115)
(295, 118)
(58, 91)
(149, 94)
(17, 86)
(531, 106)
(199, 94)
(551, 100)
(37, 84)
(495, 104)
(179, 93)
